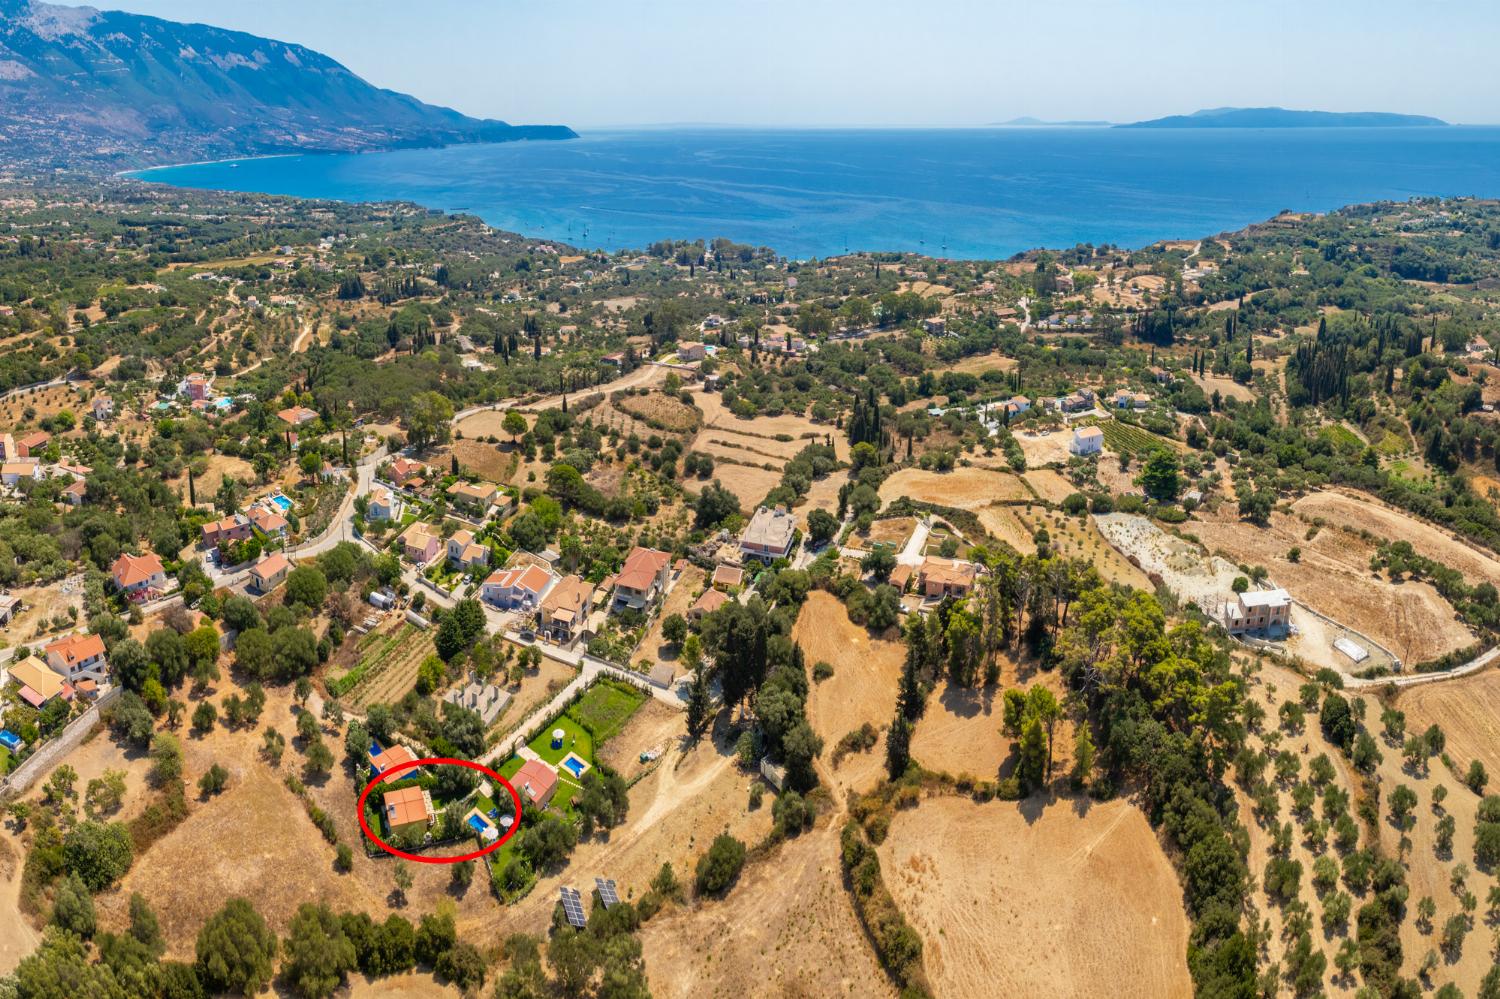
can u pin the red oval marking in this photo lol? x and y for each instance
(438, 760)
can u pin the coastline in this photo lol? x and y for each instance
(134, 172)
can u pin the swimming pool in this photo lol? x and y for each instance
(574, 765)
(478, 824)
(10, 740)
(282, 503)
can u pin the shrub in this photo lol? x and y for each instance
(720, 866)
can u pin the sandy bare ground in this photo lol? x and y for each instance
(750, 447)
(980, 363)
(866, 672)
(39, 605)
(1332, 576)
(487, 423)
(1185, 568)
(1031, 901)
(964, 488)
(220, 467)
(20, 938)
(653, 726)
(787, 929)
(654, 647)
(799, 427)
(1227, 387)
(959, 733)
(1045, 449)
(1363, 514)
(749, 485)
(412, 985)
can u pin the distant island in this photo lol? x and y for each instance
(1029, 122)
(1283, 118)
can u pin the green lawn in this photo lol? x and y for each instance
(605, 708)
(575, 740)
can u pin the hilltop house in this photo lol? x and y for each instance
(565, 609)
(1263, 612)
(945, 577)
(1087, 440)
(643, 579)
(769, 534)
(420, 543)
(536, 781)
(296, 416)
(519, 588)
(464, 552)
(408, 810)
(139, 577)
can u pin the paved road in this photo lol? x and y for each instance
(341, 527)
(1474, 665)
(647, 372)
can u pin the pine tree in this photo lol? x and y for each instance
(700, 704)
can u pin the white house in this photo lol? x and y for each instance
(1260, 611)
(768, 536)
(1087, 440)
(520, 588)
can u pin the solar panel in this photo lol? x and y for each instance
(607, 893)
(572, 903)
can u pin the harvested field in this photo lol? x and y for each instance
(787, 929)
(960, 733)
(684, 592)
(962, 488)
(487, 423)
(893, 531)
(737, 451)
(536, 687)
(1075, 537)
(660, 411)
(487, 461)
(866, 672)
(220, 467)
(750, 485)
(412, 985)
(253, 840)
(653, 725)
(766, 428)
(1049, 485)
(1006, 524)
(1227, 387)
(980, 363)
(764, 448)
(1027, 900)
(1332, 576)
(1046, 449)
(1467, 709)
(1359, 513)
(824, 495)
(39, 605)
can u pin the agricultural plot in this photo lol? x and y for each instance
(1077, 900)
(387, 667)
(1123, 438)
(962, 488)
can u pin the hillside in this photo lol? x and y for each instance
(80, 85)
(1284, 118)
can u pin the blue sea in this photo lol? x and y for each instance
(959, 193)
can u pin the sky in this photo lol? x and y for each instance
(597, 63)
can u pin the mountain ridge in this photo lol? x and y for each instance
(79, 85)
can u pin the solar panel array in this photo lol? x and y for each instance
(572, 902)
(607, 892)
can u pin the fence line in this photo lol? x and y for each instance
(52, 752)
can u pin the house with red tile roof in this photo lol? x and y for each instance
(408, 810)
(536, 781)
(36, 684)
(139, 577)
(296, 416)
(33, 444)
(404, 470)
(565, 609)
(268, 522)
(76, 656)
(710, 601)
(235, 527)
(519, 588)
(643, 579)
(268, 573)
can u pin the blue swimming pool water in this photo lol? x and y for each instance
(575, 765)
(10, 740)
(282, 503)
(477, 824)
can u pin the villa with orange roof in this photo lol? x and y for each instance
(77, 656)
(268, 573)
(33, 443)
(536, 781)
(268, 521)
(235, 527)
(420, 543)
(139, 576)
(408, 810)
(565, 609)
(464, 552)
(296, 416)
(520, 588)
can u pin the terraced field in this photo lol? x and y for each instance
(387, 666)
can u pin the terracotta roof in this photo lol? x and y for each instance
(711, 601)
(471, 491)
(527, 577)
(949, 571)
(297, 415)
(19, 468)
(76, 649)
(534, 778)
(393, 757)
(131, 570)
(37, 438)
(266, 520)
(406, 805)
(568, 598)
(642, 566)
(729, 575)
(461, 537)
(270, 566)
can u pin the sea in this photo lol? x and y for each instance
(955, 193)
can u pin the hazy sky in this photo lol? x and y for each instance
(876, 62)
